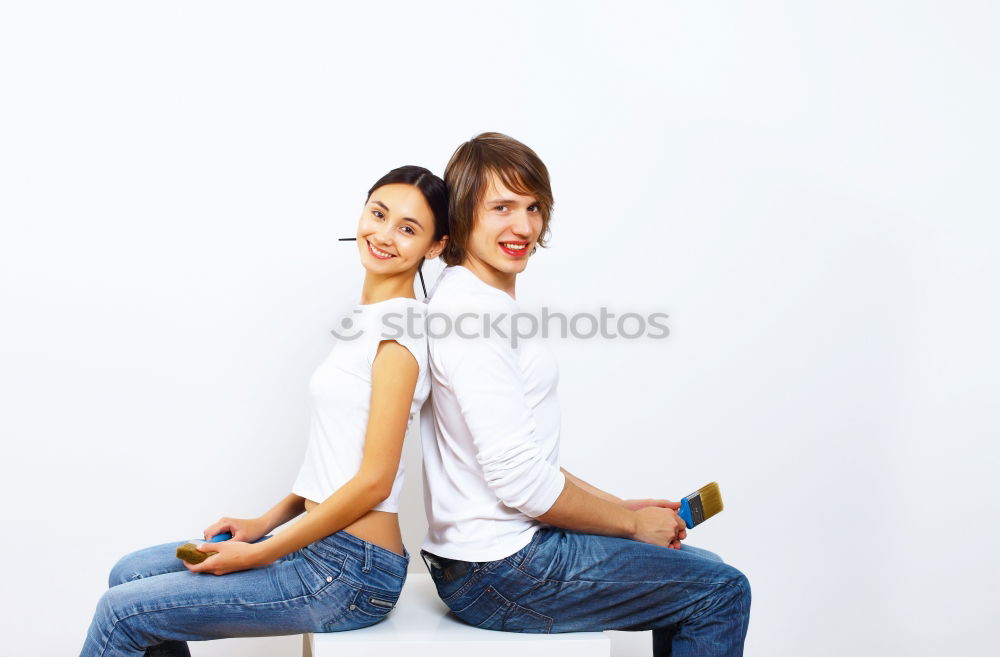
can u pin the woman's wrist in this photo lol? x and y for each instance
(290, 507)
(265, 524)
(264, 554)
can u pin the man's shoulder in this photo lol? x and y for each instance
(458, 290)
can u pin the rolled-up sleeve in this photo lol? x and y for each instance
(488, 384)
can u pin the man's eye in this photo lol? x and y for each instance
(501, 208)
(533, 208)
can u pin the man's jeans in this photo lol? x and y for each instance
(564, 581)
(155, 604)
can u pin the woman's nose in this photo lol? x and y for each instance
(384, 234)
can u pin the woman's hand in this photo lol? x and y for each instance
(232, 556)
(247, 530)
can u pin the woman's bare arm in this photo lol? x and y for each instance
(394, 379)
(290, 507)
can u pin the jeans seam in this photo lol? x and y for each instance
(114, 627)
(320, 564)
(505, 608)
(539, 581)
(215, 603)
(513, 606)
(637, 581)
(389, 572)
(119, 621)
(535, 540)
(702, 612)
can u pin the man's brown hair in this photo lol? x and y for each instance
(468, 173)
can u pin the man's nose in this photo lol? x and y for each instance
(522, 224)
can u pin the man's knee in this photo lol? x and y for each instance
(742, 588)
(701, 552)
(733, 587)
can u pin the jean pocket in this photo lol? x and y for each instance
(356, 608)
(374, 604)
(492, 611)
(524, 557)
(328, 566)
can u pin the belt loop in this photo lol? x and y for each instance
(368, 558)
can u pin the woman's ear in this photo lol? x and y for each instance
(436, 250)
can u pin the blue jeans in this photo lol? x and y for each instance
(565, 581)
(155, 604)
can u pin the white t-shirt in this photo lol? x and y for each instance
(491, 442)
(340, 391)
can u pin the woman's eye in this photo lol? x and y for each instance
(378, 214)
(408, 230)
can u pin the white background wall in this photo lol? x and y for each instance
(808, 189)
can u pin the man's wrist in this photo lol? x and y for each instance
(631, 523)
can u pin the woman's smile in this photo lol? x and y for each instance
(377, 252)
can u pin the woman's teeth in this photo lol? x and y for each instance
(512, 246)
(379, 252)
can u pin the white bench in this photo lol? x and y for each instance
(421, 626)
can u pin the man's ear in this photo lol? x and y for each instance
(436, 250)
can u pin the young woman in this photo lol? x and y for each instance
(342, 566)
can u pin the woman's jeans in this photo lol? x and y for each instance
(155, 604)
(565, 581)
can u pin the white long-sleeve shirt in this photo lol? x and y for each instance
(490, 429)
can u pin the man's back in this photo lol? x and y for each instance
(490, 428)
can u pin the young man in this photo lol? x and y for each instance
(516, 543)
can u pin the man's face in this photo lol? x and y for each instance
(504, 231)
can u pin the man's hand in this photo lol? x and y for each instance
(242, 529)
(232, 556)
(635, 505)
(659, 526)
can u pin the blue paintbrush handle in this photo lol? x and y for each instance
(685, 513)
(218, 538)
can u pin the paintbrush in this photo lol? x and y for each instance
(701, 505)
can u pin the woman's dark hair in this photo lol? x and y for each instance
(432, 187)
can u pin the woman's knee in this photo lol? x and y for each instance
(147, 562)
(114, 629)
(124, 571)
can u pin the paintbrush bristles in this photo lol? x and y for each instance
(711, 499)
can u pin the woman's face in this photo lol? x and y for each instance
(396, 230)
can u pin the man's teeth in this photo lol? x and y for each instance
(513, 247)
